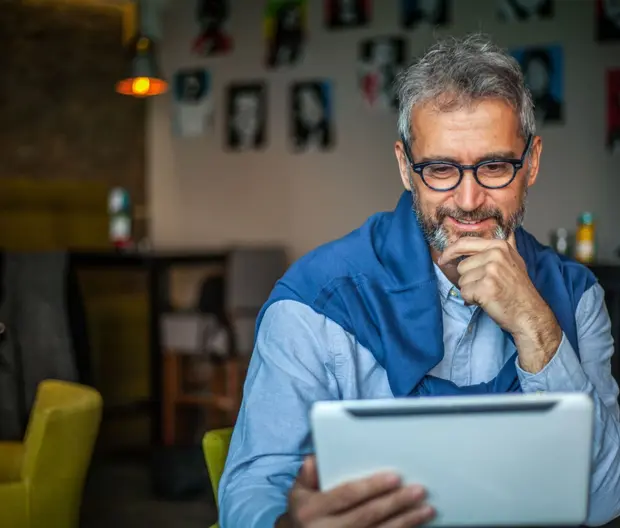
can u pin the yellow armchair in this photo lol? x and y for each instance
(41, 480)
(215, 446)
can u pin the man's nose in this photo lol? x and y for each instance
(469, 195)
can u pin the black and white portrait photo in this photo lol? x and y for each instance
(523, 10)
(285, 26)
(544, 76)
(246, 123)
(380, 61)
(193, 103)
(311, 114)
(431, 12)
(608, 20)
(347, 13)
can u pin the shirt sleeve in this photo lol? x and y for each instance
(291, 367)
(592, 375)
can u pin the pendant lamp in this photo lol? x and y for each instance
(143, 78)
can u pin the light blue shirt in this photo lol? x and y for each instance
(301, 357)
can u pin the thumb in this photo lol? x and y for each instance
(308, 475)
(512, 240)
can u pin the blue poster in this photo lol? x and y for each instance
(543, 68)
(311, 115)
(193, 104)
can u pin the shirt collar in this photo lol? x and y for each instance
(443, 284)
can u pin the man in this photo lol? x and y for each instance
(450, 296)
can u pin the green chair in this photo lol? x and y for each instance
(215, 446)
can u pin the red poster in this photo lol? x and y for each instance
(613, 110)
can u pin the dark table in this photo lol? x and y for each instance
(157, 266)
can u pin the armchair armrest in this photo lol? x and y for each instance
(11, 456)
(13, 504)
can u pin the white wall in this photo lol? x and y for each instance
(200, 195)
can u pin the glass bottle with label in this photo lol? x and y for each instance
(585, 239)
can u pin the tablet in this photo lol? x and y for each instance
(502, 460)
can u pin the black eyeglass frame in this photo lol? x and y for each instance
(418, 168)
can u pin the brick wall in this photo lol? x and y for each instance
(59, 114)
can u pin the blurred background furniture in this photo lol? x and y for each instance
(207, 348)
(42, 479)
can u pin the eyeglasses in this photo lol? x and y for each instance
(444, 176)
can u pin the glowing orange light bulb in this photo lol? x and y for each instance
(141, 85)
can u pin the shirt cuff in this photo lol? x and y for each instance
(562, 374)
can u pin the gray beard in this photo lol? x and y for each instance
(438, 238)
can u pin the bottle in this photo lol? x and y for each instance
(585, 243)
(119, 208)
(559, 241)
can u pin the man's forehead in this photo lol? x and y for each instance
(486, 117)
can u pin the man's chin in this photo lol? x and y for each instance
(456, 234)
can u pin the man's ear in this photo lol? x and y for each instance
(533, 159)
(403, 164)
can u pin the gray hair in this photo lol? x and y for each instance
(457, 72)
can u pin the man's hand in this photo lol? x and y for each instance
(494, 276)
(377, 501)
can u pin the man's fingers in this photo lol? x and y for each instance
(464, 246)
(470, 276)
(512, 240)
(469, 246)
(352, 494)
(383, 508)
(308, 474)
(416, 516)
(470, 292)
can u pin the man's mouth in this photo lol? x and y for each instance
(471, 225)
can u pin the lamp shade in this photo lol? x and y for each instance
(143, 78)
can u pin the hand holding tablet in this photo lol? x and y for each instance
(492, 460)
(380, 500)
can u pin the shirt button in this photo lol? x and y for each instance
(454, 293)
(470, 328)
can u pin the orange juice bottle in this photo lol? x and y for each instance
(585, 239)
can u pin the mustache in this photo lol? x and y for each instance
(477, 215)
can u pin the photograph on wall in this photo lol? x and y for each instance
(524, 10)
(285, 32)
(311, 115)
(380, 60)
(341, 14)
(246, 116)
(543, 69)
(608, 20)
(192, 103)
(213, 36)
(432, 12)
(613, 111)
